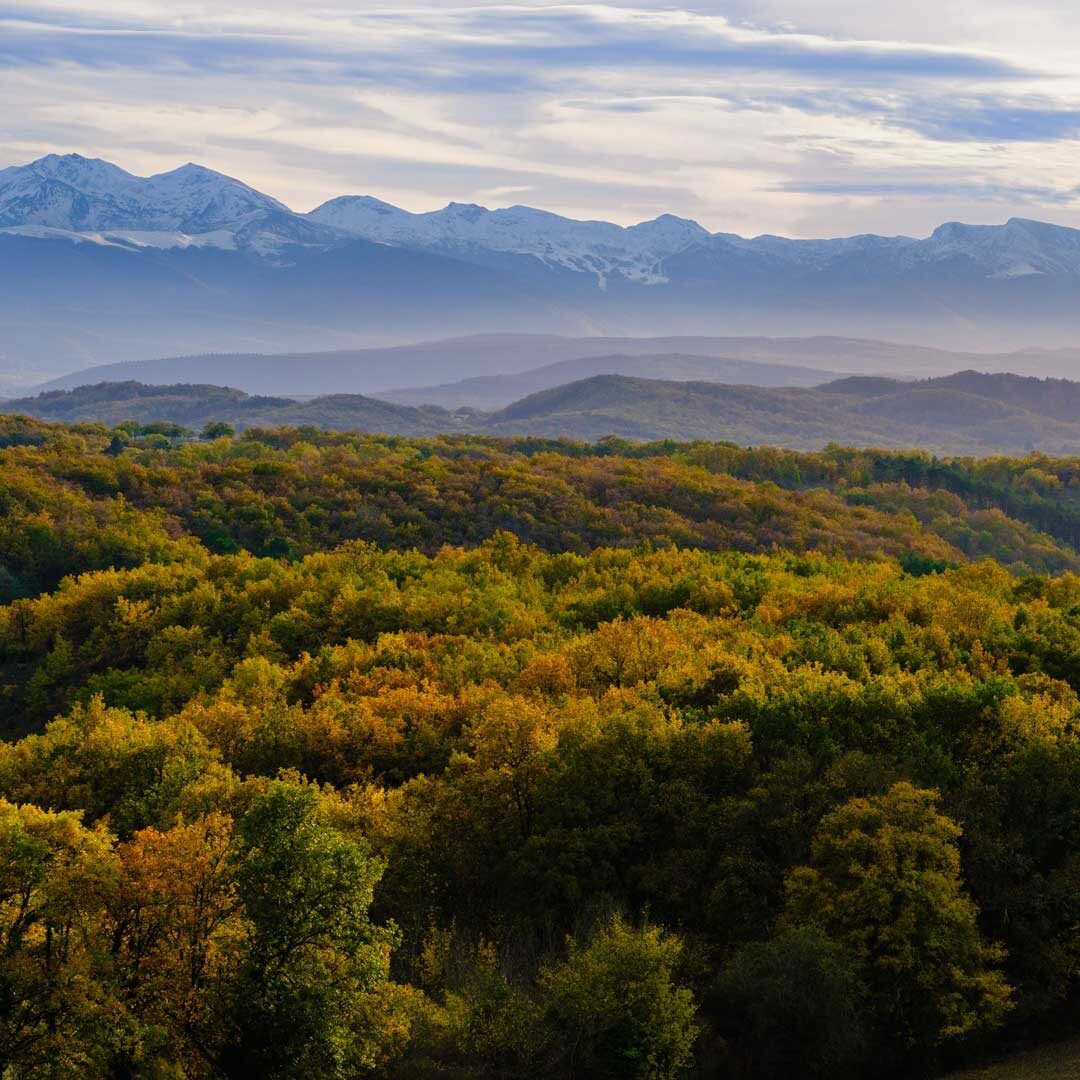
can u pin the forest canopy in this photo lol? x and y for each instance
(347, 756)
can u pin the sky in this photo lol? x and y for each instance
(781, 116)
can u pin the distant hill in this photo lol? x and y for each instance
(498, 391)
(965, 413)
(489, 371)
(195, 405)
(113, 402)
(968, 413)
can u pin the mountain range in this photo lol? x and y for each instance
(98, 265)
(965, 413)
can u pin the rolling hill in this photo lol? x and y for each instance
(965, 413)
(498, 391)
(194, 405)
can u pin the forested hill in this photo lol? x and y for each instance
(194, 405)
(965, 413)
(354, 756)
(127, 497)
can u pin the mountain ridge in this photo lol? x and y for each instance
(192, 261)
(96, 199)
(99, 202)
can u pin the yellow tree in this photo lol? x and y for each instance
(509, 742)
(59, 1015)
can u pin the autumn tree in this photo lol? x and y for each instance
(884, 881)
(175, 928)
(59, 1016)
(509, 742)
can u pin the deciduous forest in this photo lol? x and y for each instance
(333, 755)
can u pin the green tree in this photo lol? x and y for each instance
(311, 953)
(616, 1009)
(217, 429)
(885, 882)
(167, 428)
(108, 763)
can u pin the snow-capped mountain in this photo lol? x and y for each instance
(99, 265)
(1016, 249)
(597, 248)
(98, 202)
(655, 252)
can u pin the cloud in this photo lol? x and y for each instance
(956, 117)
(492, 47)
(1000, 193)
(595, 35)
(990, 120)
(754, 115)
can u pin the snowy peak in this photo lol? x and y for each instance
(671, 227)
(94, 201)
(194, 199)
(86, 196)
(1018, 248)
(345, 206)
(89, 175)
(598, 248)
(466, 212)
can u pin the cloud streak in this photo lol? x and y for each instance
(475, 41)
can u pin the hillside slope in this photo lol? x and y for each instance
(969, 413)
(194, 405)
(499, 391)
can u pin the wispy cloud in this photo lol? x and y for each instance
(494, 47)
(1025, 194)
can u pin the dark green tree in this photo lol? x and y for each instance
(311, 951)
(217, 429)
(884, 881)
